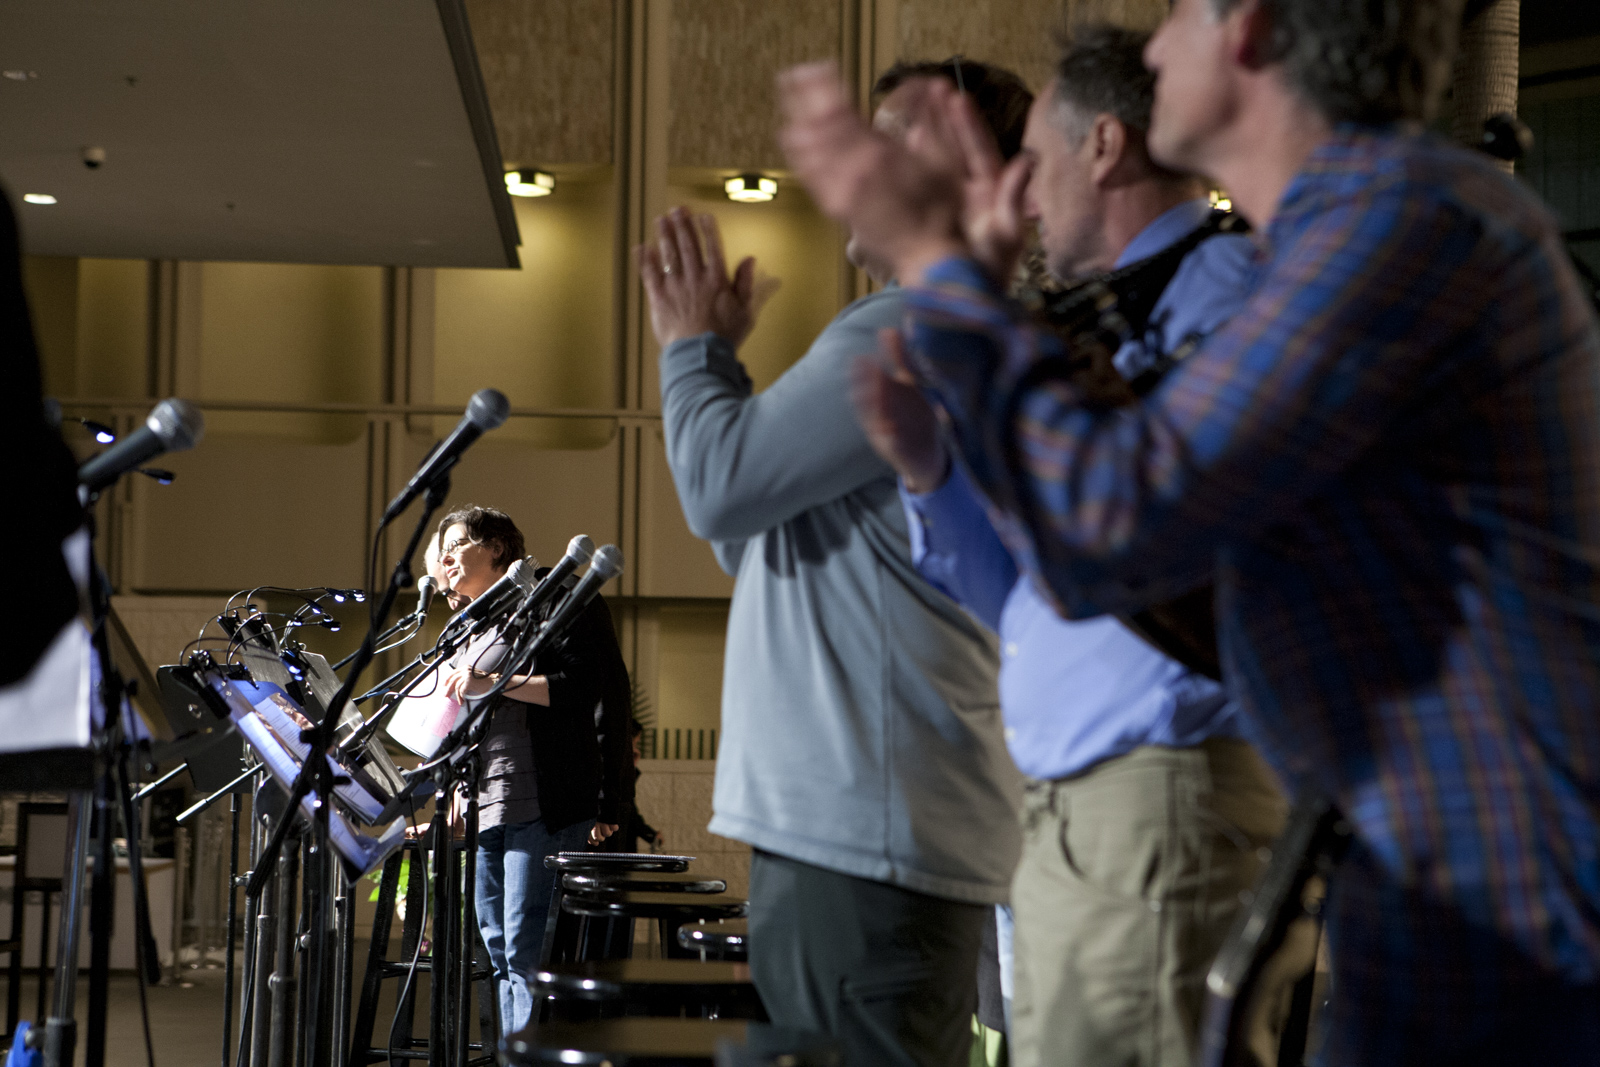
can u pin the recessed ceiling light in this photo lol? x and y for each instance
(530, 182)
(750, 188)
(38, 198)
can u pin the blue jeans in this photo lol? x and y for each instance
(513, 899)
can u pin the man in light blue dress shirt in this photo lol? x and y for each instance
(1145, 812)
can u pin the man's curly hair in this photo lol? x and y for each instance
(1366, 61)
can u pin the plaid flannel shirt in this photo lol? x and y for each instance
(1390, 459)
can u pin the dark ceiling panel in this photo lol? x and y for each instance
(314, 131)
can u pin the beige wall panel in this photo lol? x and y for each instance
(551, 494)
(51, 283)
(1139, 14)
(725, 57)
(113, 327)
(249, 511)
(543, 334)
(674, 796)
(1015, 34)
(290, 333)
(689, 682)
(799, 257)
(548, 69)
(672, 561)
(162, 626)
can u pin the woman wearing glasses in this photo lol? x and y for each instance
(546, 786)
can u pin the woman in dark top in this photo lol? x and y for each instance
(545, 786)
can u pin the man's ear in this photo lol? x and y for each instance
(1248, 29)
(1109, 138)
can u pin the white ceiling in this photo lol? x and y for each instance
(301, 131)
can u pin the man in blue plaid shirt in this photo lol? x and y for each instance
(1389, 459)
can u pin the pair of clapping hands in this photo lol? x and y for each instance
(941, 191)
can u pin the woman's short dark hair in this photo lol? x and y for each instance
(488, 526)
(1367, 61)
(1001, 97)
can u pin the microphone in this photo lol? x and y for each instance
(427, 589)
(512, 586)
(579, 551)
(487, 409)
(173, 426)
(606, 566)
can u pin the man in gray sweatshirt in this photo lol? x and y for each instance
(862, 753)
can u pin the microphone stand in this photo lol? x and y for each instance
(111, 798)
(405, 620)
(317, 773)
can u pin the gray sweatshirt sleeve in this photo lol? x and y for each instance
(744, 463)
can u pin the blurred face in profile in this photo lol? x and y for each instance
(1063, 196)
(1193, 56)
(898, 112)
(467, 565)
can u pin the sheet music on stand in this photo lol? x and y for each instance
(270, 721)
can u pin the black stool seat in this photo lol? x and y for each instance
(651, 987)
(635, 1042)
(672, 907)
(727, 940)
(641, 981)
(616, 861)
(600, 882)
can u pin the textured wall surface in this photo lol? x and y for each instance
(1016, 34)
(674, 796)
(548, 68)
(725, 55)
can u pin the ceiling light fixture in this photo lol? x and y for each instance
(38, 198)
(750, 188)
(530, 182)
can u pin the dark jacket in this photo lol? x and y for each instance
(582, 759)
(41, 480)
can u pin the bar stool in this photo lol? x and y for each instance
(649, 987)
(595, 883)
(635, 1042)
(568, 936)
(379, 967)
(616, 861)
(670, 910)
(727, 940)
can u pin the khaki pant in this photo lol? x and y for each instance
(1130, 877)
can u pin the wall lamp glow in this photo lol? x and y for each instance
(38, 198)
(750, 188)
(530, 182)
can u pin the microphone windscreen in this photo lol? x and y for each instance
(177, 423)
(488, 408)
(607, 561)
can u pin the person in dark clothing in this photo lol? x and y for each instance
(45, 484)
(636, 829)
(545, 786)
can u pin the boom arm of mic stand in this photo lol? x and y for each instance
(320, 737)
(405, 620)
(201, 805)
(364, 732)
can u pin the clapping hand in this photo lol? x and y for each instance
(687, 282)
(900, 424)
(943, 192)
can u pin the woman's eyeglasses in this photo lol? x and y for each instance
(454, 547)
